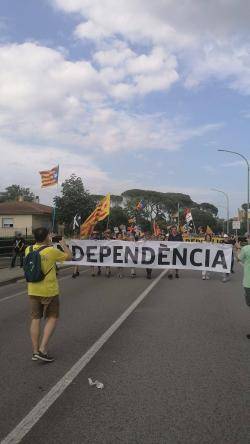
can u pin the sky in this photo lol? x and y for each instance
(126, 94)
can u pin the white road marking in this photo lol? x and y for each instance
(13, 296)
(46, 402)
(25, 292)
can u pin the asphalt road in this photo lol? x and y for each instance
(175, 371)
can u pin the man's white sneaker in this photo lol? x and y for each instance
(44, 357)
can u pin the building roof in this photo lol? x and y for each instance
(24, 208)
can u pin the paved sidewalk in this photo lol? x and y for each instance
(9, 275)
(12, 275)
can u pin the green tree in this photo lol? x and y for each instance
(13, 192)
(74, 199)
(243, 218)
(96, 198)
(209, 208)
(157, 204)
(203, 218)
(116, 200)
(118, 216)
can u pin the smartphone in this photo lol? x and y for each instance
(56, 239)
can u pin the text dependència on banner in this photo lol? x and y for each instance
(152, 254)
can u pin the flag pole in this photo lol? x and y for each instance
(193, 223)
(54, 208)
(107, 223)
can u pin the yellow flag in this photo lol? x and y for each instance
(208, 230)
(101, 212)
(182, 229)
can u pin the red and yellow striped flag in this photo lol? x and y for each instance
(50, 177)
(101, 212)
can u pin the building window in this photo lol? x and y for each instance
(7, 222)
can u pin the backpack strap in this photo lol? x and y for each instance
(41, 249)
(49, 271)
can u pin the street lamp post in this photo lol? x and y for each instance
(227, 199)
(248, 174)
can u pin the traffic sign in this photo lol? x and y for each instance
(236, 225)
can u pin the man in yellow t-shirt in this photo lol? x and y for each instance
(44, 295)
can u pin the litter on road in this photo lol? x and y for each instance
(98, 384)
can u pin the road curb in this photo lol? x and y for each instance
(22, 278)
(11, 281)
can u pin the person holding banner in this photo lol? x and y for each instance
(174, 236)
(76, 271)
(148, 237)
(228, 241)
(107, 236)
(119, 237)
(205, 274)
(95, 236)
(135, 238)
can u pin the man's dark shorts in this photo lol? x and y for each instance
(247, 295)
(44, 307)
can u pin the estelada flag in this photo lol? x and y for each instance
(50, 177)
(189, 219)
(101, 212)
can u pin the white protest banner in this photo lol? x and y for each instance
(152, 254)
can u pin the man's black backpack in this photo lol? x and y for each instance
(33, 265)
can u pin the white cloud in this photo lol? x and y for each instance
(34, 76)
(26, 157)
(130, 74)
(23, 163)
(224, 61)
(208, 39)
(162, 19)
(114, 131)
(53, 110)
(50, 100)
(137, 20)
(89, 30)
